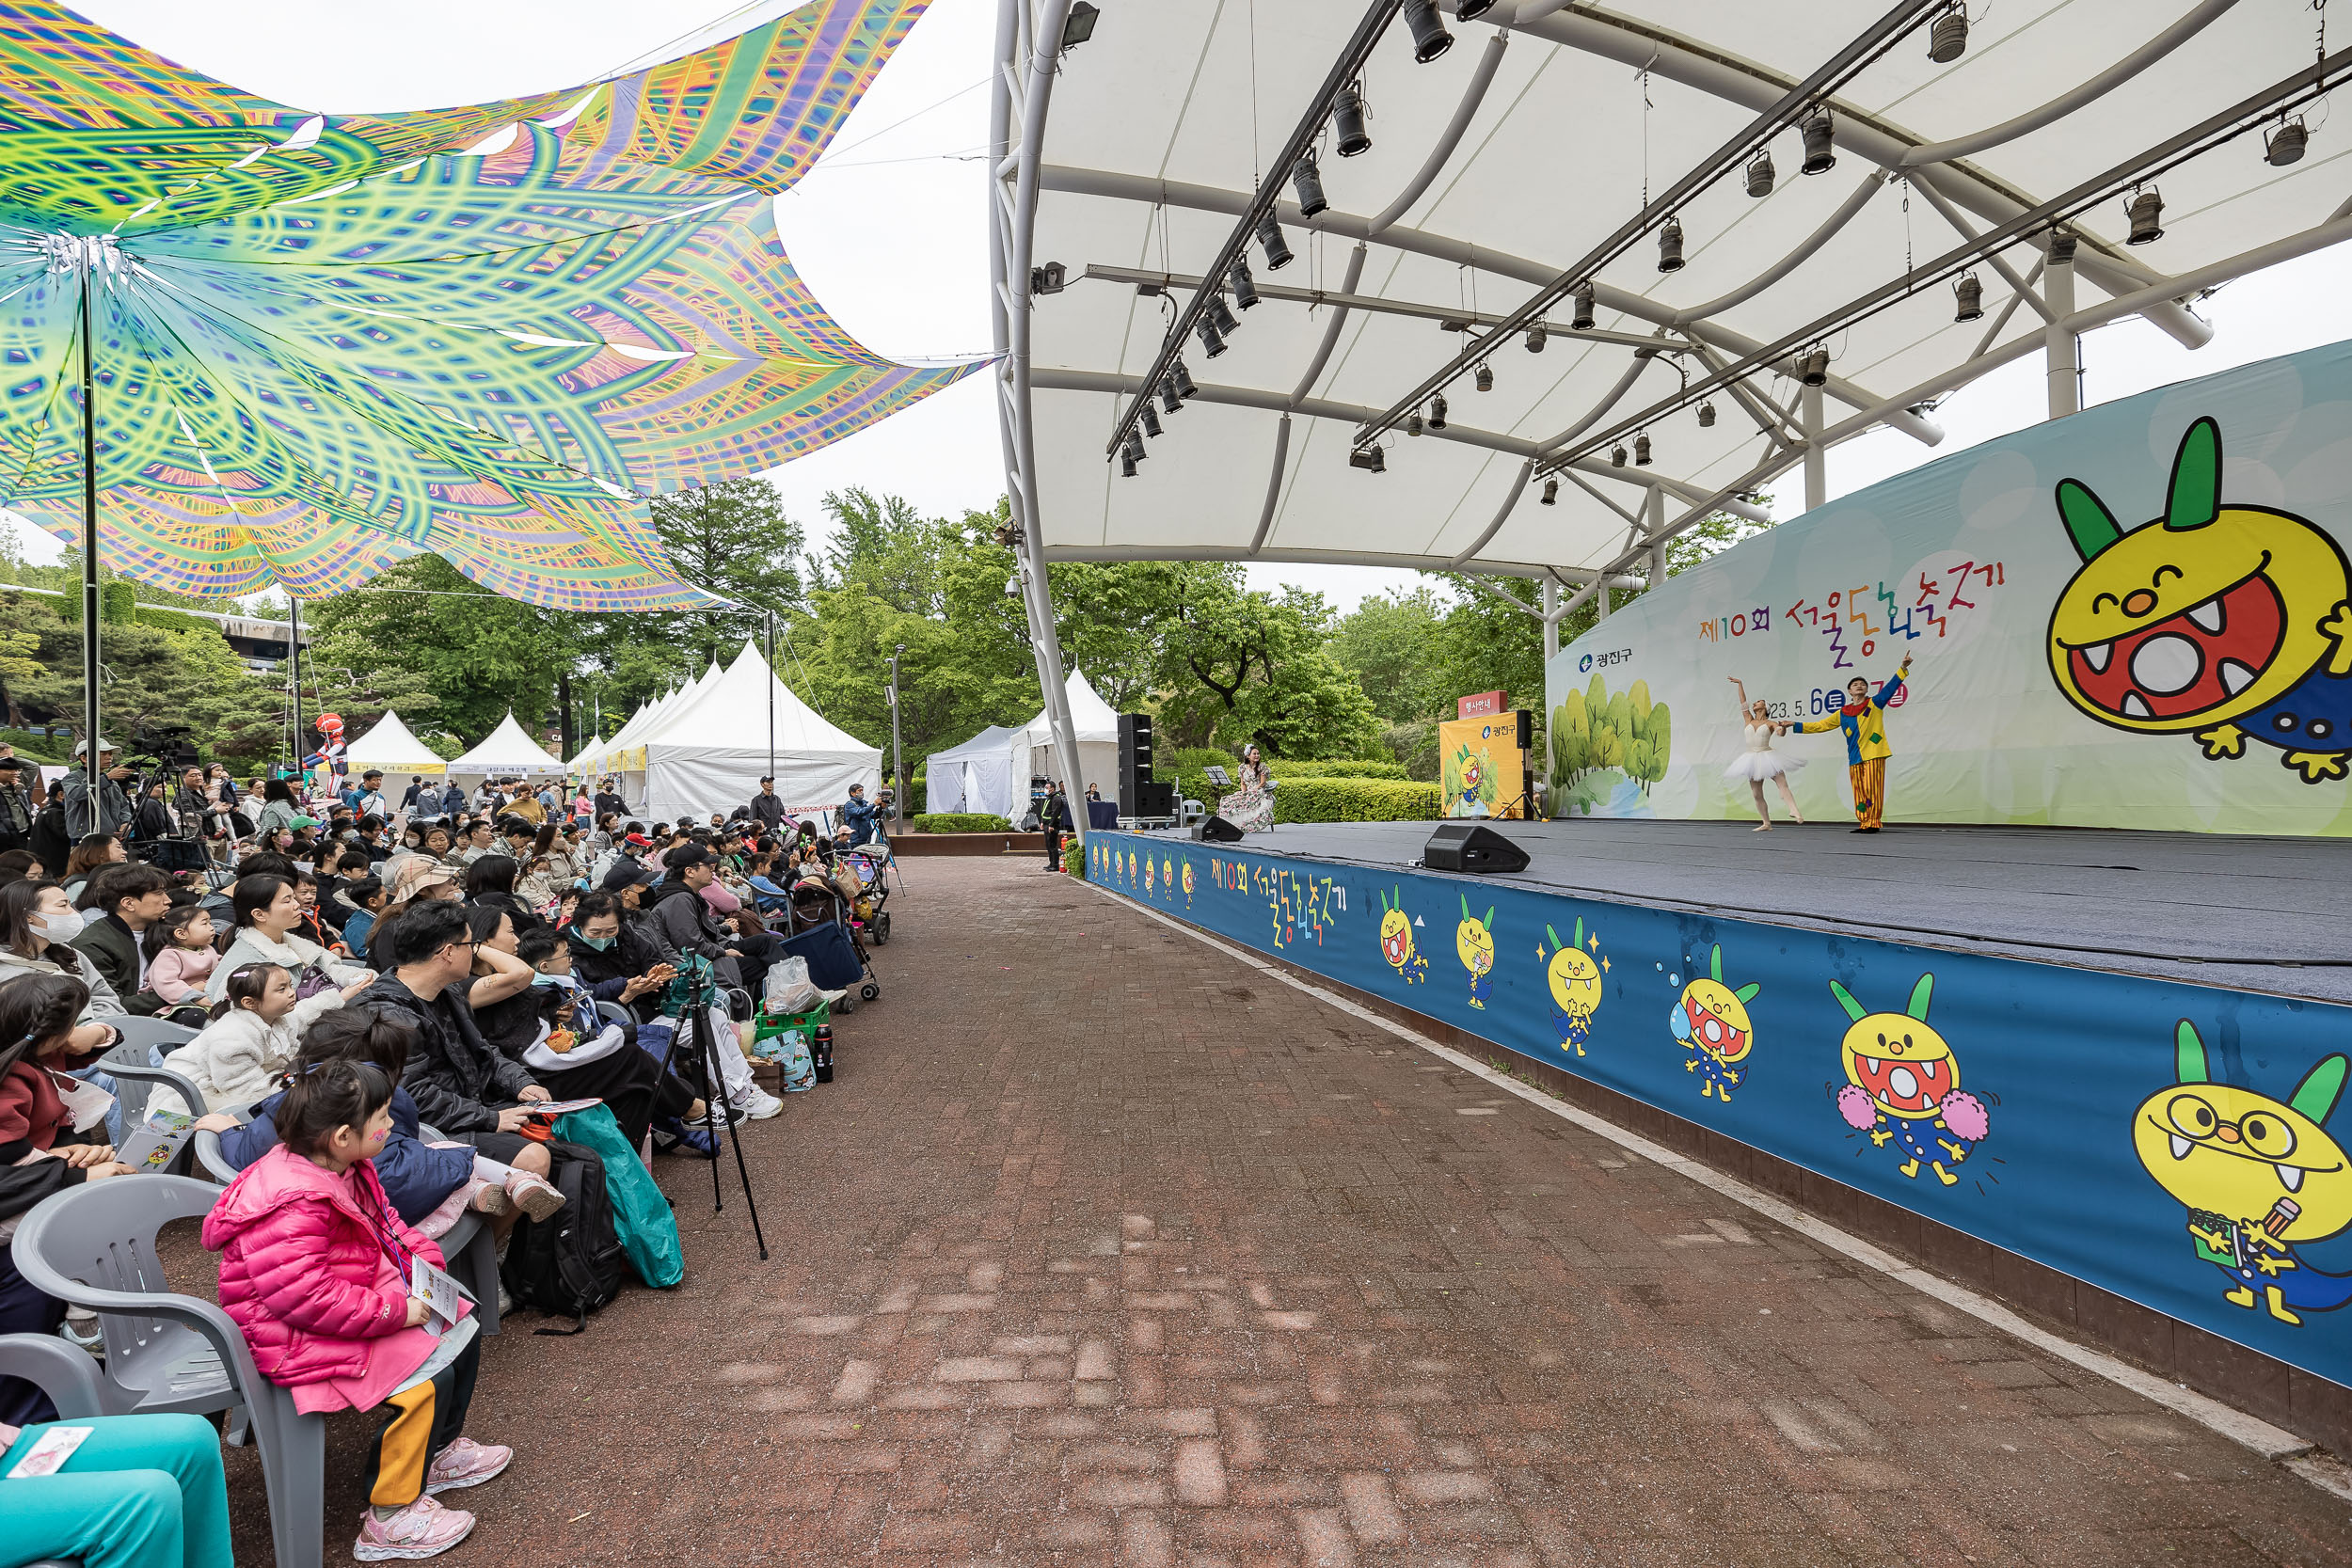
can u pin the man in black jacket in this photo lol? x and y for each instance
(124, 900)
(1055, 820)
(461, 1086)
(679, 919)
(17, 808)
(767, 806)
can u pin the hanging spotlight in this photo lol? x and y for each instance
(1217, 311)
(1814, 369)
(1969, 293)
(1126, 470)
(2284, 145)
(1641, 450)
(1485, 377)
(1078, 25)
(1309, 183)
(1948, 38)
(1373, 460)
(1412, 423)
(1707, 416)
(1135, 447)
(1278, 251)
(1470, 10)
(1430, 38)
(1181, 380)
(1670, 247)
(1047, 280)
(1169, 400)
(1211, 339)
(1617, 458)
(1583, 322)
(1535, 336)
(2146, 213)
(1819, 155)
(1348, 120)
(1437, 412)
(1150, 421)
(1551, 492)
(1245, 286)
(1760, 174)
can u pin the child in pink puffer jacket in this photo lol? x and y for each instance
(315, 1268)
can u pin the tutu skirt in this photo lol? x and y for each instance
(1756, 767)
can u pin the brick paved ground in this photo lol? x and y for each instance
(1105, 1249)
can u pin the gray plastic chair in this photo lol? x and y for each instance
(94, 1246)
(147, 1033)
(210, 1160)
(66, 1375)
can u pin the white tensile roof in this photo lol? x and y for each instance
(729, 712)
(1089, 716)
(1498, 167)
(507, 749)
(390, 746)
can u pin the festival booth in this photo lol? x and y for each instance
(506, 753)
(977, 776)
(709, 749)
(391, 748)
(1032, 745)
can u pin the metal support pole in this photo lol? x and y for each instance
(89, 541)
(1600, 602)
(898, 757)
(1816, 454)
(2059, 347)
(1654, 527)
(294, 656)
(772, 693)
(1551, 620)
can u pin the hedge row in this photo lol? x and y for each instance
(1357, 801)
(1338, 767)
(1190, 765)
(962, 822)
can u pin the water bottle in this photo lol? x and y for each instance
(822, 1051)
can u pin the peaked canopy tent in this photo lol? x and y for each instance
(392, 747)
(1096, 728)
(1653, 256)
(256, 346)
(977, 776)
(506, 752)
(710, 750)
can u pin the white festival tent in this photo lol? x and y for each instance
(976, 776)
(707, 752)
(508, 752)
(587, 754)
(389, 746)
(1097, 729)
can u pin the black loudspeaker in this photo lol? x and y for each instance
(1471, 847)
(1527, 730)
(1218, 831)
(1135, 765)
(1153, 797)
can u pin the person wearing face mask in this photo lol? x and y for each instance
(37, 925)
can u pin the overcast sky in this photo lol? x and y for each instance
(891, 231)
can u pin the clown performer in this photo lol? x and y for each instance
(1863, 719)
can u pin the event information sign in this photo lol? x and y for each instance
(2140, 616)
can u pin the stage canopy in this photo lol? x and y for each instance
(975, 776)
(507, 752)
(1497, 173)
(707, 752)
(390, 747)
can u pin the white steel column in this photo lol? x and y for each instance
(1815, 451)
(1654, 527)
(2060, 346)
(1551, 620)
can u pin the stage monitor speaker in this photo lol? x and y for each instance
(1218, 831)
(1471, 847)
(1527, 730)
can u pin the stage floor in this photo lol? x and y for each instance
(2264, 914)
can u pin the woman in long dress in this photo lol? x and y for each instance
(1760, 762)
(1250, 807)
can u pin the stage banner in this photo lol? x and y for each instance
(1480, 765)
(2180, 1146)
(2134, 617)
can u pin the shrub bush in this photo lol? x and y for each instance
(1337, 768)
(1357, 801)
(1073, 858)
(962, 822)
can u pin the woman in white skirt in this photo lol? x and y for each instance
(1760, 762)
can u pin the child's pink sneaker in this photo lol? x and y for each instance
(534, 1196)
(465, 1463)
(424, 1528)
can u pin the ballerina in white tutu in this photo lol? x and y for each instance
(1760, 762)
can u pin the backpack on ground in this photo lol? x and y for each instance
(569, 1264)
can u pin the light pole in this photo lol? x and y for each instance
(772, 693)
(898, 760)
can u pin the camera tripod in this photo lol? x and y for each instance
(700, 996)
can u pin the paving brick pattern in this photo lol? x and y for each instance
(1105, 1249)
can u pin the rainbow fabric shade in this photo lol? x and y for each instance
(326, 343)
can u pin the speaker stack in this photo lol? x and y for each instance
(1140, 794)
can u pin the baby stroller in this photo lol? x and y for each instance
(870, 865)
(817, 905)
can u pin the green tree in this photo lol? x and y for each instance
(1387, 641)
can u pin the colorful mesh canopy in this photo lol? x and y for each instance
(326, 343)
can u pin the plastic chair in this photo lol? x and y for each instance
(66, 1375)
(209, 1156)
(469, 1249)
(136, 1085)
(149, 1032)
(94, 1246)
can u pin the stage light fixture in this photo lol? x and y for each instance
(1412, 423)
(1169, 400)
(1670, 247)
(1437, 412)
(1761, 174)
(1218, 312)
(1470, 10)
(1551, 492)
(1126, 470)
(2147, 215)
(1430, 38)
(1707, 416)
(1969, 296)
(1181, 380)
(1947, 36)
(1151, 419)
(1278, 251)
(1617, 458)
(1813, 369)
(1307, 181)
(1641, 450)
(1048, 280)
(1212, 340)
(1078, 25)
(1583, 322)
(1535, 336)
(1820, 156)
(1486, 376)
(1348, 122)
(1370, 459)
(1135, 447)
(2285, 145)
(1245, 286)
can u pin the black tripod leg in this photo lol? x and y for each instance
(719, 1107)
(717, 1073)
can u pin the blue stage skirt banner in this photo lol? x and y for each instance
(2175, 1145)
(2140, 616)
